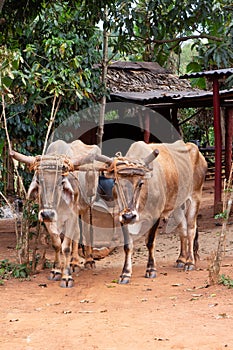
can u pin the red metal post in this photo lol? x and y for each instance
(228, 141)
(218, 145)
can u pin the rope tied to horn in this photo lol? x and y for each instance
(61, 163)
(126, 167)
(131, 167)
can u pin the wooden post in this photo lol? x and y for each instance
(218, 146)
(100, 130)
(175, 122)
(228, 141)
(147, 127)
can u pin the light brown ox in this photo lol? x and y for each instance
(174, 187)
(64, 193)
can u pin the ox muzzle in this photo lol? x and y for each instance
(128, 216)
(47, 215)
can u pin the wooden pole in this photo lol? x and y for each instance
(218, 146)
(100, 130)
(228, 141)
(147, 127)
(1, 5)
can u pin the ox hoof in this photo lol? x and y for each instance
(75, 268)
(124, 279)
(151, 273)
(74, 265)
(180, 264)
(67, 283)
(54, 276)
(189, 267)
(89, 265)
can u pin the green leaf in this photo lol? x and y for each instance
(7, 81)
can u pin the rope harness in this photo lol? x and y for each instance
(122, 166)
(57, 164)
(60, 163)
(63, 166)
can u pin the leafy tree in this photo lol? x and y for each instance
(154, 30)
(49, 55)
(50, 50)
(59, 45)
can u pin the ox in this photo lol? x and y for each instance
(64, 193)
(153, 182)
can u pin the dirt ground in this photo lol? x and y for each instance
(177, 310)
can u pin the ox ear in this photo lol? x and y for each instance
(67, 191)
(33, 189)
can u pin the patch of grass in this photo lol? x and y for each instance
(12, 270)
(226, 281)
(223, 215)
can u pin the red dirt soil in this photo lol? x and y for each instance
(177, 310)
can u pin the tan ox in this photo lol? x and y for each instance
(64, 194)
(173, 187)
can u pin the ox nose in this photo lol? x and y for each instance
(47, 215)
(128, 217)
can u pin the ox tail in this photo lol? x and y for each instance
(196, 246)
(81, 246)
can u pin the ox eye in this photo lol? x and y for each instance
(140, 183)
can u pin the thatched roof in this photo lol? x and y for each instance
(149, 84)
(142, 77)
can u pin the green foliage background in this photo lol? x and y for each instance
(53, 50)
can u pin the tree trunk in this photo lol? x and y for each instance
(104, 81)
(1, 5)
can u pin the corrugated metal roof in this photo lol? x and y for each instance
(216, 72)
(158, 97)
(140, 82)
(148, 95)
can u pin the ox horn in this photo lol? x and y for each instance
(82, 160)
(22, 158)
(103, 159)
(90, 158)
(151, 157)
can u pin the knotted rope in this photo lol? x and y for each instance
(123, 166)
(61, 163)
(130, 167)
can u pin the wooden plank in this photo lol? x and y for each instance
(228, 141)
(218, 146)
(208, 153)
(7, 225)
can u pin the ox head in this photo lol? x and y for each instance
(52, 181)
(129, 188)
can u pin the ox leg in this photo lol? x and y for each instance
(128, 248)
(150, 243)
(181, 261)
(192, 235)
(88, 247)
(55, 273)
(74, 264)
(89, 260)
(67, 280)
(188, 237)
